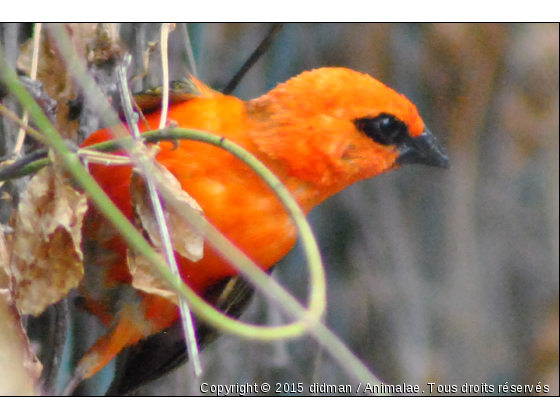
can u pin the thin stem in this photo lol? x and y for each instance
(33, 76)
(188, 46)
(8, 113)
(259, 51)
(165, 28)
(140, 162)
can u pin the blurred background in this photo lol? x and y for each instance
(448, 277)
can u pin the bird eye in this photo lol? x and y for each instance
(385, 129)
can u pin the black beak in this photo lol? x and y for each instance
(424, 150)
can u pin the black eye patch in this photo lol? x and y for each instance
(384, 129)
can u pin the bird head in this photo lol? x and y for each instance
(333, 126)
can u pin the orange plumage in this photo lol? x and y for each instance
(319, 132)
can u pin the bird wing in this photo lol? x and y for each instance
(165, 351)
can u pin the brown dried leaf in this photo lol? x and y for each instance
(186, 240)
(145, 278)
(46, 257)
(19, 367)
(52, 73)
(96, 43)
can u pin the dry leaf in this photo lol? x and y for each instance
(186, 240)
(98, 44)
(147, 279)
(19, 367)
(46, 257)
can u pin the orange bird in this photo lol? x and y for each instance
(318, 132)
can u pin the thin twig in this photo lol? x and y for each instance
(186, 316)
(259, 51)
(8, 113)
(165, 28)
(188, 46)
(33, 76)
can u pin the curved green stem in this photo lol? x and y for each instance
(135, 239)
(325, 337)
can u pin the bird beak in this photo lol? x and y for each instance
(424, 150)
